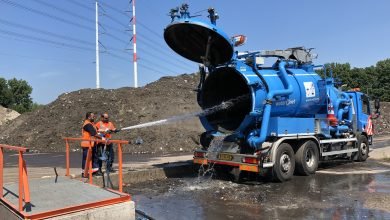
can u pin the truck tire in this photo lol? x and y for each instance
(363, 148)
(306, 158)
(284, 166)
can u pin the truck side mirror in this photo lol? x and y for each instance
(377, 105)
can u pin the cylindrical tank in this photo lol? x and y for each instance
(307, 98)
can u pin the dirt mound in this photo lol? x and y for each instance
(44, 128)
(7, 115)
(382, 124)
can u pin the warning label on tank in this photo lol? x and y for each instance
(310, 89)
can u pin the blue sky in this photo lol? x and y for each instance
(53, 47)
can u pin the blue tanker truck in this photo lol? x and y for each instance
(285, 118)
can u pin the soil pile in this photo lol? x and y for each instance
(44, 128)
(7, 115)
(382, 123)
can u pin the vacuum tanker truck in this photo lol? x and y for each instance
(285, 118)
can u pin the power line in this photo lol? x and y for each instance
(124, 59)
(40, 31)
(151, 69)
(150, 30)
(12, 24)
(116, 56)
(156, 64)
(81, 5)
(164, 59)
(10, 33)
(47, 41)
(114, 9)
(156, 48)
(64, 11)
(44, 58)
(16, 5)
(123, 13)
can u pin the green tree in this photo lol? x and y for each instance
(383, 78)
(373, 80)
(5, 94)
(15, 94)
(20, 90)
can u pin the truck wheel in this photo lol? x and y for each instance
(284, 165)
(306, 158)
(363, 150)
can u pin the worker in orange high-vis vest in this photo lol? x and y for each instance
(89, 131)
(106, 128)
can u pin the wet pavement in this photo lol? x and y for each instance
(339, 193)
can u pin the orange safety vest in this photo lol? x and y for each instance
(102, 127)
(86, 135)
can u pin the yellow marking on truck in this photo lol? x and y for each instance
(251, 168)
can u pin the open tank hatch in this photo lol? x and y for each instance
(222, 85)
(191, 38)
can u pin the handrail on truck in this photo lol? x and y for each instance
(88, 164)
(24, 189)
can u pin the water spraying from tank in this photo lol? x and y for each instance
(223, 106)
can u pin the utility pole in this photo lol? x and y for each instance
(97, 47)
(135, 48)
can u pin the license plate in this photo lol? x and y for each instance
(225, 157)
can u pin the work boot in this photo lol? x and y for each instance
(97, 173)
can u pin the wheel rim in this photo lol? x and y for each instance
(309, 157)
(363, 148)
(285, 162)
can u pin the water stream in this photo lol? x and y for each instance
(223, 106)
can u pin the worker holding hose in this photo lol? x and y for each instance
(89, 131)
(105, 128)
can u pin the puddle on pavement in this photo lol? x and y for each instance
(319, 196)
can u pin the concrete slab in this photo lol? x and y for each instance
(7, 213)
(121, 211)
(66, 194)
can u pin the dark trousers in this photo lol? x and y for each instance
(94, 157)
(109, 151)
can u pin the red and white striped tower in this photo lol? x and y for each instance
(135, 49)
